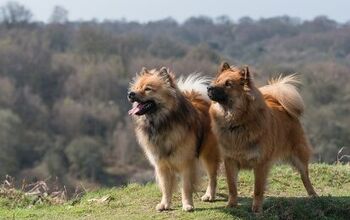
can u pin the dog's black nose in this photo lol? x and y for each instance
(131, 95)
(210, 88)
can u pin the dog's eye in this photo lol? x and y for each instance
(148, 89)
(228, 83)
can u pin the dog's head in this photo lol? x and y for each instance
(152, 92)
(231, 85)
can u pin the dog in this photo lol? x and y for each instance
(256, 127)
(172, 125)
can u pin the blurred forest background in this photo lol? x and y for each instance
(63, 85)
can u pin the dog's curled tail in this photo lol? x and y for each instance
(284, 90)
(195, 82)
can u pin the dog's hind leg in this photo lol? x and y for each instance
(300, 162)
(211, 164)
(166, 179)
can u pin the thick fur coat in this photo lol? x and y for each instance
(173, 128)
(256, 127)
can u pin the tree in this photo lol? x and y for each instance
(59, 15)
(14, 14)
(85, 157)
(7, 92)
(10, 125)
(166, 48)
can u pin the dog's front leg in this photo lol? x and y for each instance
(231, 178)
(166, 179)
(188, 179)
(260, 175)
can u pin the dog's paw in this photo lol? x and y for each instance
(232, 202)
(231, 205)
(257, 209)
(188, 208)
(162, 207)
(207, 198)
(313, 195)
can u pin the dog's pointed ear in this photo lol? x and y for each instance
(245, 73)
(223, 66)
(143, 71)
(163, 71)
(246, 81)
(167, 77)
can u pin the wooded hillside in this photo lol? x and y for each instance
(63, 84)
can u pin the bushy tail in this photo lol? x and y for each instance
(284, 90)
(195, 82)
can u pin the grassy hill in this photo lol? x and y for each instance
(285, 199)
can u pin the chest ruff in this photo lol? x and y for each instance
(236, 143)
(171, 142)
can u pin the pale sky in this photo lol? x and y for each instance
(150, 10)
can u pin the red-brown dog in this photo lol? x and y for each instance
(256, 127)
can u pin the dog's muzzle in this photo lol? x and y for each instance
(140, 105)
(132, 96)
(217, 94)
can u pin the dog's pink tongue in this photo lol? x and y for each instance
(135, 108)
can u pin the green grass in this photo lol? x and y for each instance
(285, 199)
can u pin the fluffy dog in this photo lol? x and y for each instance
(172, 125)
(257, 126)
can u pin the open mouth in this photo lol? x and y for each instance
(141, 108)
